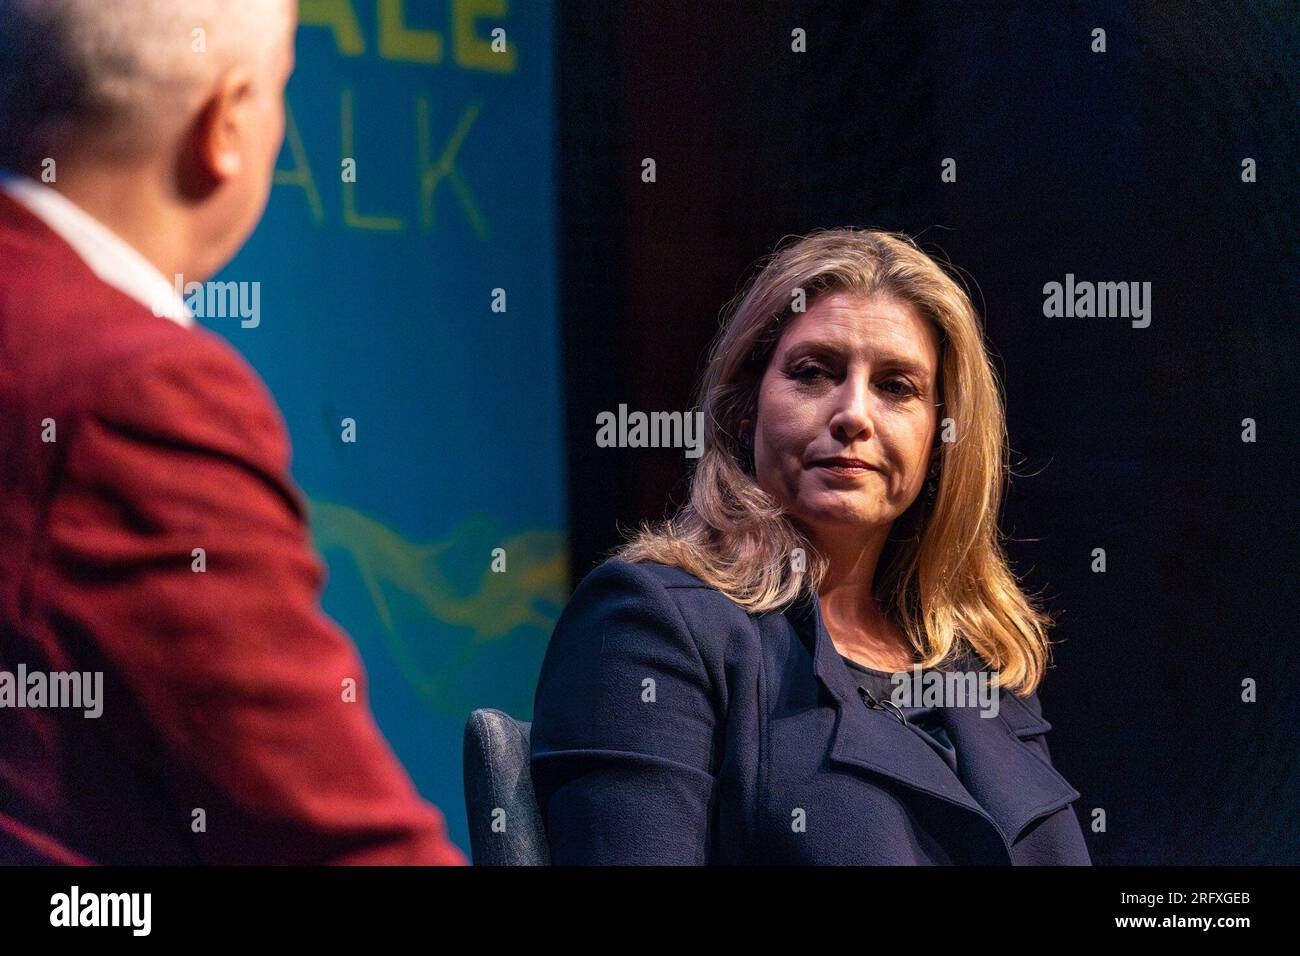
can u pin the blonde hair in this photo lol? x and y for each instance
(945, 579)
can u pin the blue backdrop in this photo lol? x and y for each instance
(377, 306)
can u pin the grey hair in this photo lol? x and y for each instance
(114, 74)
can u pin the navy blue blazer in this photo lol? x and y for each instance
(671, 726)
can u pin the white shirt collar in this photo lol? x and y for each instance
(109, 256)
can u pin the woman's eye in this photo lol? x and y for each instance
(899, 388)
(807, 371)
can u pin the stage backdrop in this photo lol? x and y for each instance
(408, 330)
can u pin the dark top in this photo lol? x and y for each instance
(672, 726)
(926, 721)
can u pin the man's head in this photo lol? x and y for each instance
(181, 102)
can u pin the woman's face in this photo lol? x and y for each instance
(850, 378)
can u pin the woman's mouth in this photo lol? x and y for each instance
(845, 467)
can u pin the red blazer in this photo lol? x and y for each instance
(222, 690)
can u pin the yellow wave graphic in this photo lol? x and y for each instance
(409, 587)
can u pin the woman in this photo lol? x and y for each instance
(726, 688)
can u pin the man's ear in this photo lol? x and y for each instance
(220, 133)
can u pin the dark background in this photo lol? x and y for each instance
(1122, 166)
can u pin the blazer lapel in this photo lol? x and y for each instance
(1005, 775)
(1003, 780)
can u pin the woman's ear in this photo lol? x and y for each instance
(747, 435)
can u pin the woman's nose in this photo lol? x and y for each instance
(854, 409)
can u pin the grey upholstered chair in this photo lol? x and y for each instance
(505, 826)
